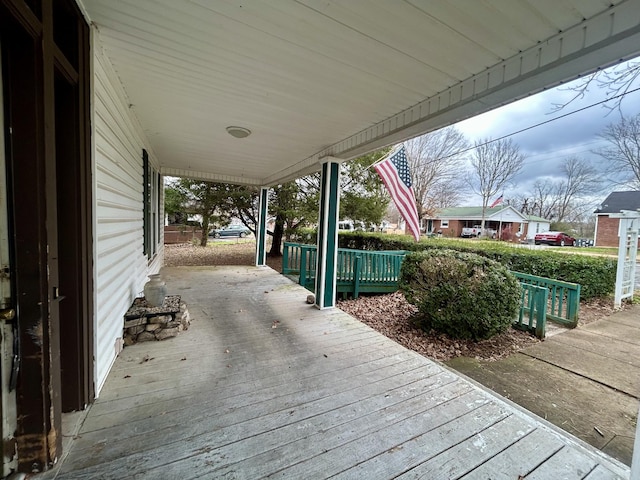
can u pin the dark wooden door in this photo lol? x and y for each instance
(45, 82)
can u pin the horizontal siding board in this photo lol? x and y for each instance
(108, 171)
(120, 265)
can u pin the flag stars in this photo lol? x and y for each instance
(402, 166)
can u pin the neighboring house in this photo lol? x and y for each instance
(607, 228)
(451, 221)
(536, 225)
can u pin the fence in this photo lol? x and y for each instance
(533, 307)
(360, 271)
(563, 300)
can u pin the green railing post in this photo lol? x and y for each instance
(541, 311)
(533, 304)
(573, 306)
(356, 275)
(302, 280)
(285, 258)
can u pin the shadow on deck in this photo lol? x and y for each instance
(264, 385)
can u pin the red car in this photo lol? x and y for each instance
(555, 238)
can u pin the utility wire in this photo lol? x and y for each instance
(539, 124)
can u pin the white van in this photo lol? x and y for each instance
(346, 226)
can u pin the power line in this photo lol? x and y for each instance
(541, 123)
(576, 149)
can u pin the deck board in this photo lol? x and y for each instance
(319, 395)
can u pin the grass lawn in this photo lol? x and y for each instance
(603, 251)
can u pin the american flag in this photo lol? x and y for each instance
(394, 171)
(497, 201)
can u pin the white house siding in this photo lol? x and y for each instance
(537, 227)
(506, 215)
(121, 268)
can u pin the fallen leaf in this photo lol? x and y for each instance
(146, 358)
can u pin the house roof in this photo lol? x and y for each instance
(617, 201)
(535, 218)
(314, 80)
(472, 213)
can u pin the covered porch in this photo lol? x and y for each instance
(265, 385)
(102, 99)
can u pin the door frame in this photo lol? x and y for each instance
(44, 42)
(8, 407)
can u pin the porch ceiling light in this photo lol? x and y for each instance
(238, 132)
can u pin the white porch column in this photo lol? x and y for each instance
(261, 228)
(328, 234)
(628, 229)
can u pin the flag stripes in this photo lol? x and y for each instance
(497, 201)
(394, 172)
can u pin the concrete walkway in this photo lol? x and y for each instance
(586, 380)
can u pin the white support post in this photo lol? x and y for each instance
(635, 459)
(625, 284)
(627, 255)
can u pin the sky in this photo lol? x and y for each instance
(547, 145)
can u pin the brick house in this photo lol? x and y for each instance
(450, 221)
(607, 228)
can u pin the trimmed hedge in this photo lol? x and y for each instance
(595, 275)
(464, 295)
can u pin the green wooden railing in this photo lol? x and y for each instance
(360, 271)
(533, 307)
(299, 259)
(563, 300)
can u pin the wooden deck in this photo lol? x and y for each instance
(264, 385)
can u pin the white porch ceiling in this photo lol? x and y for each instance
(318, 78)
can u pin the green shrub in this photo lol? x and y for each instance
(463, 295)
(595, 275)
(304, 235)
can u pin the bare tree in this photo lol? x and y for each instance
(623, 149)
(494, 165)
(435, 165)
(543, 199)
(563, 199)
(580, 180)
(618, 81)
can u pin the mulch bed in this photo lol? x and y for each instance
(391, 315)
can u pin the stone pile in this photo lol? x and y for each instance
(143, 323)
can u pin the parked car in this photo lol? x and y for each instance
(346, 225)
(554, 238)
(230, 231)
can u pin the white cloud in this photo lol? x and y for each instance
(565, 134)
